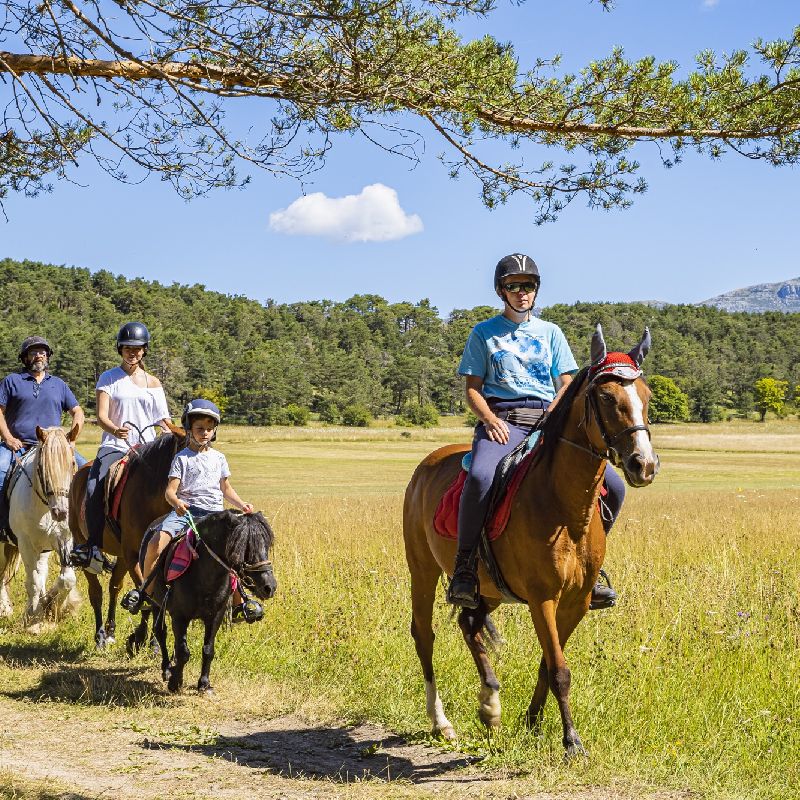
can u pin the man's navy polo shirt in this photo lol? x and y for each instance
(28, 404)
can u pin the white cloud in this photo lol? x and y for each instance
(375, 215)
(710, 3)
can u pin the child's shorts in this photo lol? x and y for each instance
(174, 525)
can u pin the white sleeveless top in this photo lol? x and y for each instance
(131, 403)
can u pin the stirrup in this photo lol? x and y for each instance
(249, 611)
(603, 595)
(463, 588)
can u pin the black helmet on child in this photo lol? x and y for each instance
(33, 341)
(133, 334)
(515, 264)
(199, 408)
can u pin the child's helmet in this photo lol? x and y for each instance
(199, 407)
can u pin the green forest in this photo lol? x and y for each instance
(346, 362)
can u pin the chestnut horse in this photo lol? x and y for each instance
(142, 501)
(553, 546)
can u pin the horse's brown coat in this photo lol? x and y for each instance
(552, 549)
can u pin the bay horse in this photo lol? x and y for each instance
(554, 543)
(38, 491)
(142, 501)
(228, 544)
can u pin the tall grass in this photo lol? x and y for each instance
(692, 682)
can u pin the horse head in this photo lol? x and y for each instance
(615, 417)
(247, 549)
(55, 466)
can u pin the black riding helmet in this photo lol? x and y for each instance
(515, 264)
(133, 334)
(33, 341)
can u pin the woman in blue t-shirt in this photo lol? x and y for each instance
(515, 366)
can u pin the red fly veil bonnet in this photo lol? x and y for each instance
(619, 365)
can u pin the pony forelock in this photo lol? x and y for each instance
(249, 540)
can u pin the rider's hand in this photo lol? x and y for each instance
(181, 508)
(122, 433)
(247, 508)
(496, 429)
(14, 443)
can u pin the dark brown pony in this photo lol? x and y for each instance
(553, 547)
(142, 501)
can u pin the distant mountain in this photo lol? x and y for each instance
(783, 296)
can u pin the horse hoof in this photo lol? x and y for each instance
(574, 752)
(205, 691)
(447, 733)
(489, 708)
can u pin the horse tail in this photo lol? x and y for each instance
(494, 636)
(12, 561)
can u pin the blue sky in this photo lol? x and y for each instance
(701, 229)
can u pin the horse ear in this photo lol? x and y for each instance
(73, 433)
(642, 349)
(40, 434)
(175, 430)
(598, 352)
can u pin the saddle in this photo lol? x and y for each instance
(507, 478)
(113, 488)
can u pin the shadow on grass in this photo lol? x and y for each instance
(36, 653)
(342, 755)
(109, 686)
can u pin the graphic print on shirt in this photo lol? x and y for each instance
(520, 360)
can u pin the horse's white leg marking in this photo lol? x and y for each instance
(8, 558)
(35, 580)
(433, 705)
(489, 708)
(643, 444)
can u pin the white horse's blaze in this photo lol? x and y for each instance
(435, 710)
(489, 709)
(643, 446)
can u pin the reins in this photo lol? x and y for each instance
(242, 573)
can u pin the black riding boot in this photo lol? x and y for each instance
(603, 594)
(463, 588)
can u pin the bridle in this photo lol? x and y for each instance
(242, 572)
(46, 491)
(592, 410)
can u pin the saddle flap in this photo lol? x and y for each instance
(114, 486)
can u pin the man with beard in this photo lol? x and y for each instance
(29, 398)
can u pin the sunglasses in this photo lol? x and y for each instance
(519, 286)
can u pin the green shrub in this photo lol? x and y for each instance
(297, 415)
(356, 416)
(425, 415)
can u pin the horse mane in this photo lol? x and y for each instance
(156, 455)
(56, 459)
(248, 530)
(553, 426)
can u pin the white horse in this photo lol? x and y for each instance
(38, 496)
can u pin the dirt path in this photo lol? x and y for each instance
(81, 753)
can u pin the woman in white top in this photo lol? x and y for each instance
(131, 404)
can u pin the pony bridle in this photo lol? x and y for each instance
(242, 572)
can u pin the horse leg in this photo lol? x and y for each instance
(558, 674)
(533, 717)
(96, 600)
(423, 592)
(59, 598)
(35, 580)
(180, 626)
(9, 559)
(566, 624)
(471, 622)
(160, 634)
(136, 640)
(211, 628)
(114, 586)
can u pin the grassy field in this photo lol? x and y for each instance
(691, 684)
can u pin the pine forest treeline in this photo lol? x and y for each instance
(266, 362)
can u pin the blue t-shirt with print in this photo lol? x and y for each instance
(517, 359)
